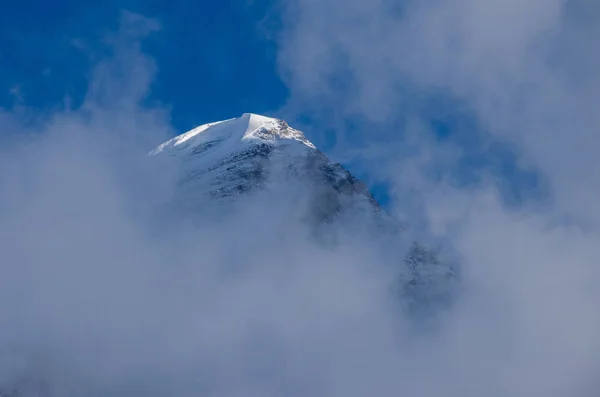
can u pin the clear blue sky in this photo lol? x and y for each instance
(211, 47)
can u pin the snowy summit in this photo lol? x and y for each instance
(232, 157)
(224, 162)
(247, 128)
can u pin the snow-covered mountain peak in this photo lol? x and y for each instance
(256, 121)
(222, 165)
(248, 128)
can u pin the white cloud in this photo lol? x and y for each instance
(527, 72)
(99, 296)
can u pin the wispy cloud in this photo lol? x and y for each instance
(526, 73)
(102, 292)
(99, 295)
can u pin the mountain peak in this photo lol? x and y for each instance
(246, 128)
(220, 164)
(256, 120)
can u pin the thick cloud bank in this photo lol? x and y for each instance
(99, 296)
(525, 75)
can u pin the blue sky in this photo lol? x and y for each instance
(218, 59)
(214, 60)
(483, 134)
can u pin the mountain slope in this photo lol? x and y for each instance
(236, 157)
(224, 163)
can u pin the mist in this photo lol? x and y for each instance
(104, 292)
(431, 90)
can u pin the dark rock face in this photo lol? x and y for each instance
(431, 282)
(233, 175)
(203, 147)
(281, 155)
(225, 167)
(241, 172)
(334, 191)
(425, 283)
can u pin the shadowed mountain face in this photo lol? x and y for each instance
(279, 186)
(227, 160)
(224, 164)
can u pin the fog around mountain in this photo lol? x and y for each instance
(104, 292)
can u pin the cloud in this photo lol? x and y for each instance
(526, 71)
(102, 292)
(526, 75)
